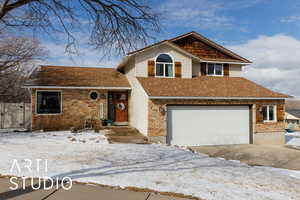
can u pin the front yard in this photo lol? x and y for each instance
(89, 158)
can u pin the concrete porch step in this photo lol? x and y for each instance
(126, 135)
(127, 140)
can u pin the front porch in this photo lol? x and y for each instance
(78, 108)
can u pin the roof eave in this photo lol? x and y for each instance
(212, 97)
(78, 87)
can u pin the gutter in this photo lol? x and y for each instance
(79, 87)
(236, 98)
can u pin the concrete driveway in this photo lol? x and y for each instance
(77, 192)
(258, 155)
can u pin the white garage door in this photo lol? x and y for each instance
(208, 125)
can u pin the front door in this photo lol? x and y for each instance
(120, 104)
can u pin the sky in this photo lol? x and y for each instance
(267, 32)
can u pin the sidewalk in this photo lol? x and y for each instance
(78, 192)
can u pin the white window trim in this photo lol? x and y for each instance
(36, 103)
(268, 114)
(164, 67)
(215, 69)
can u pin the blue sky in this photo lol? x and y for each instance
(232, 21)
(265, 31)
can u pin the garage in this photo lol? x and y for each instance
(208, 125)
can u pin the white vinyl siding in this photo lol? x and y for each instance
(141, 60)
(235, 70)
(138, 101)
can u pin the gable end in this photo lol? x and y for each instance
(202, 49)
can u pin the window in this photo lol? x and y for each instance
(214, 69)
(48, 102)
(269, 113)
(164, 66)
(93, 95)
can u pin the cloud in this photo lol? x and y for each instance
(276, 62)
(86, 57)
(204, 14)
(241, 4)
(194, 14)
(290, 19)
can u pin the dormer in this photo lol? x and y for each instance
(187, 56)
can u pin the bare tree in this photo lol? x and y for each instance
(16, 52)
(11, 89)
(17, 57)
(119, 25)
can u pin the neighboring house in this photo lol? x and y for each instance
(184, 91)
(292, 120)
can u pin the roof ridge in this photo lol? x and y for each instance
(67, 66)
(182, 35)
(59, 76)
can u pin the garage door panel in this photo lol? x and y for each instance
(208, 125)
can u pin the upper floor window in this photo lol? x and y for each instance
(215, 69)
(164, 66)
(269, 113)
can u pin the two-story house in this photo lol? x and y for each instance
(183, 91)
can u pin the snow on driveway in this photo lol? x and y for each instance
(156, 167)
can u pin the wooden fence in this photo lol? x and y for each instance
(15, 115)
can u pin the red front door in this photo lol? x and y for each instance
(120, 101)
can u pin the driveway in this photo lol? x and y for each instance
(256, 155)
(279, 156)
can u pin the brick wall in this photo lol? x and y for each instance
(76, 108)
(158, 117)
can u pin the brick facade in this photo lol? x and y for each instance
(76, 108)
(157, 115)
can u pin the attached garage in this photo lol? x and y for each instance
(208, 125)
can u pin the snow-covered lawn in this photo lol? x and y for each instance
(294, 134)
(293, 139)
(156, 167)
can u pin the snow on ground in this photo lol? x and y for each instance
(294, 134)
(293, 139)
(59, 136)
(156, 167)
